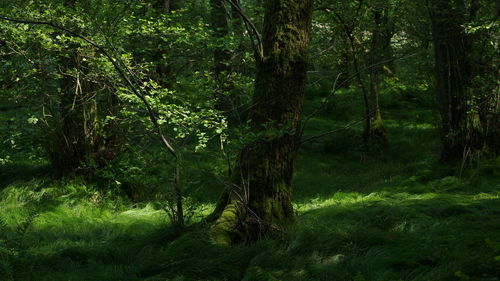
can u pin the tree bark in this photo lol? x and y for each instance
(170, 5)
(379, 57)
(77, 135)
(260, 201)
(164, 68)
(222, 56)
(461, 127)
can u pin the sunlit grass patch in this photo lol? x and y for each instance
(391, 213)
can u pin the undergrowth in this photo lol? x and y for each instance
(391, 213)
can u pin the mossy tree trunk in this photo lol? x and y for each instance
(260, 200)
(462, 132)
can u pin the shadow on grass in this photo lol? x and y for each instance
(127, 251)
(392, 239)
(337, 163)
(19, 171)
(353, 237)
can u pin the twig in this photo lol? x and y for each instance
(332, 131)
(325, 101)
(259, 49)
(335, 88)
(129, 83)
(141, 96)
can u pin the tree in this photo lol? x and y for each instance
(222, 56)
(378, 61)
(170, 5)
(78, 113)
(260, 199)
(164, 69)
(80, 127)
(463, 113)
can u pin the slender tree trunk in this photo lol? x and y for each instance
(485, 86)
(348, 31)
(260, 201)
(238, 29)
(377, 128)
(72, 144)
(164, 68)
(344, 67)
(222, 56)
(379, 57)
(366, 102)
(76, 136)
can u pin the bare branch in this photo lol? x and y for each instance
(332, 131)
(335, 88)
(259, 49)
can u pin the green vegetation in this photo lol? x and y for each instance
(172, 140)
(399, 215)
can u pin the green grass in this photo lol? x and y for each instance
(394, 213)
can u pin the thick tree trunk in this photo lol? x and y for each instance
(461, 127)
(260, 201)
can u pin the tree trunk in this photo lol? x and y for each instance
(486, 70)
(379, 58)
(238, 29)
(77, 136)
(344, 67)
(164, 68)
(222, 67)
(461, 126)
(168, 6)
(260, 201)
(348, 31)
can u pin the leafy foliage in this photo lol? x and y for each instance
(391, 212)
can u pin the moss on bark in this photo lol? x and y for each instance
(262, 179)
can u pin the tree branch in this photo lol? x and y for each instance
(332, 131)
(129, 83)
(259, 49)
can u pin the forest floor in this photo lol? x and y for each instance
(392, 214)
